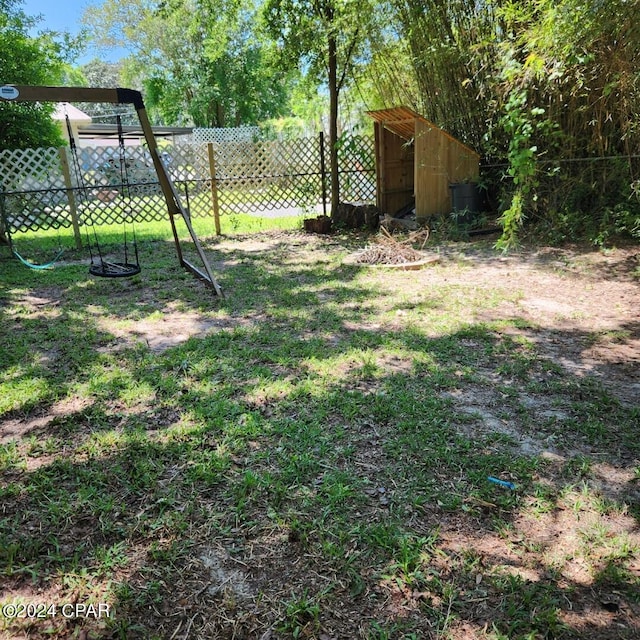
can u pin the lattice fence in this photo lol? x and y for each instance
(114, 188)
(32, 190)
(223, 135)
(357, 168)
(46, 188)
(118, 188)
(287, 175)
(268, 175)
(52, 188)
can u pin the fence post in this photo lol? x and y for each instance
(214, 187)
(5, 236)
(323, 174)
(64, 163)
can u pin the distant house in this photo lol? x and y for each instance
(86, 133)
(77, 120)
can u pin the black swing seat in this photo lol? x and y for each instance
(106, 269)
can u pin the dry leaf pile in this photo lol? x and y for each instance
(390, 249)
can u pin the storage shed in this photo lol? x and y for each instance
(415, 158)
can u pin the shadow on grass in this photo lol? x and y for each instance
(318, 458)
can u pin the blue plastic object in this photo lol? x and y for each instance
(26, 263)
(502, 483)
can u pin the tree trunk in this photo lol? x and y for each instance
(333, 124)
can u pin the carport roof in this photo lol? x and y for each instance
(106, 131)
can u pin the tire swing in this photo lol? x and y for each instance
(100, 265)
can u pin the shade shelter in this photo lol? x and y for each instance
(417, 159)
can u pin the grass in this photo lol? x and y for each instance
(312, 438)
(45, 245)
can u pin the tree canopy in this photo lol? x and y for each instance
(27, 60)
(325, 37)
(200, 62)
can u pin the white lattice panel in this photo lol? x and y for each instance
(108, 167)
(231, 134)
(30, 169)
(251, 175)
(187, 162)
(272, 158)
(33, 185)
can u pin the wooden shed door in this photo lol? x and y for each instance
(395, 173)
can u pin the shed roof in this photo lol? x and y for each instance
(402, 122)
(399, 120)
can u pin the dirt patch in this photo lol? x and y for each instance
(160, 334)
(36, 426)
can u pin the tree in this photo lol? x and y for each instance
(326, 38)
(200, 61)
(32, 61)
(100, 73)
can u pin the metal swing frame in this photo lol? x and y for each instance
(25, 93)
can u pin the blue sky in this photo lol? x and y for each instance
(64, 15)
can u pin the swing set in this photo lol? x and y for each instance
(100, 264)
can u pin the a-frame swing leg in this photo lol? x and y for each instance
(175, 207)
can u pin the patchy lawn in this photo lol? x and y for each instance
(309, 456)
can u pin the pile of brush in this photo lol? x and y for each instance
(389, 249)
